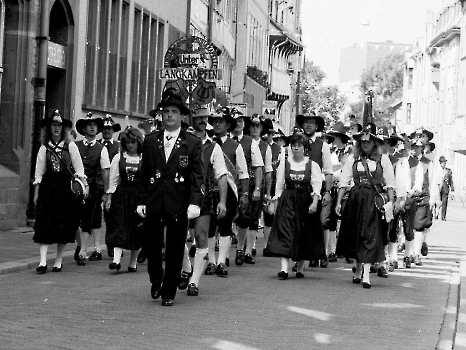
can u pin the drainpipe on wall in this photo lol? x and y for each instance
(188, 19)
(39, 83)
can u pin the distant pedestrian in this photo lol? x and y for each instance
(363, 231)
(446, 186)
(297, 231)
(57, 208)
(125, 225)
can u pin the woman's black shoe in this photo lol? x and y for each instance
(76, 253)
(184, 280)
(114, 266)
(41, 269)
(299, 275)
(313, 263)
(283, 275)
(239, 259)
(381, 272)
(294, 268)
(366, 285)
(349, 260)
(133, 269)
(57, 269)
(356, 280)
(141, 257)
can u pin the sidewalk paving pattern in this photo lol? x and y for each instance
(92, 307)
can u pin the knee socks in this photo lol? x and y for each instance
(224, 246)
(199, 264)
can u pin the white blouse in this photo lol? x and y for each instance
(403, 179)
(115, 179)
(75, 157)
(387, 171)
(316, 174)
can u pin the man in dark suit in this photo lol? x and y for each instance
(445, 185)
(170, 193)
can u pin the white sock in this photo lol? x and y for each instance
(117, 255)
(332, 242)
(408, 247)
(212, 258)
(43, 254)
(199, 264)
(252, 234)
(224, 247)
(418, 240)
(392, 251)
(285, 262)
(266, 235)
(326, 241)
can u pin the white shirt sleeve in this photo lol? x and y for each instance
(76, 160)
(327, 167)
(256, 156)
(217, 160)
(418, 178)
(402, 177)
(104, 159)
(280, 175)
(388, 175)
(114, 179)
(268, 160)
(40, 165)
(241, 166)
(347, 172)
(316, 178)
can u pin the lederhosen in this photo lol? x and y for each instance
(224, 225)
(276, 149)
(91, 212)
(423, 217)
(244, 216)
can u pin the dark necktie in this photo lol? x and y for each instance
(218, 140)
(235, 138)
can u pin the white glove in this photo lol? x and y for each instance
(193, 211)
(388, 211)
(141, 210)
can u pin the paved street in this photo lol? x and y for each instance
(92, 307)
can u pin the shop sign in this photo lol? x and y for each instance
(56, 56)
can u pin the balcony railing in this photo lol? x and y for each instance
(260, 77)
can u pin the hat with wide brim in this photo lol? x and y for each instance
(256, 120)
(81, 123)
(368, 132)
(319, 120)
(339, 129)
(172, 99)
(442, 159)
(56, 117)
(109, 123)
(201, 112)
(394, 139)
(270, 126)
(429, 134)
(223, 113)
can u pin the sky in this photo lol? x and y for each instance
(330, 25)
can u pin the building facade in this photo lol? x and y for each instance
(434, 86)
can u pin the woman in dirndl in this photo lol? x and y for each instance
(57, 208)
(125, 231)
(297, 231)
(363, 230)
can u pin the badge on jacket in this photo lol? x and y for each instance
(183, 161)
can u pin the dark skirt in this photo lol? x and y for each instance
(125, 229)
(295, 233)
(363, 232)
(57, 211)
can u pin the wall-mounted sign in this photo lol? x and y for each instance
(269, 109)
(56, 55)
(193, 60)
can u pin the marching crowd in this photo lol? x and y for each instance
(353, 192)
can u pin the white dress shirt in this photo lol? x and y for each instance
(169, 139)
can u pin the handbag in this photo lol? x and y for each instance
(381, 198)
(77, 186)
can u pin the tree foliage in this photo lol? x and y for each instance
(326, 101)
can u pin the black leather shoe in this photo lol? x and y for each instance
(248, 259)
(373, 269)
(211, 269)
(76, 253)
(357, 280)
(349, 260)
(239, 259)
(184, 280)
(114, 266)
(366, 285)
(234, 240)
(424, 249)
(332, 258)
(133, 269)
(155, 290)
(283, 275)
(167, 302)
(294, 268)
(81, 260)
(407, 262)
(95, 256)
(381, 272)
(41, 269)
(193, 290)
(57, 269)
(313, 263)
(299, 275)
(324, 263)
(222, 270)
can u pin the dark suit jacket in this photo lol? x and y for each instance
(175, 184)
(447, 183)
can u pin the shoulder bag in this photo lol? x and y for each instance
(381, 198)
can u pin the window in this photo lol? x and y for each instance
(2, 26)
(410, 78)
(408, 113)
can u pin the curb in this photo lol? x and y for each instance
(459, 341)
(31, 263)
